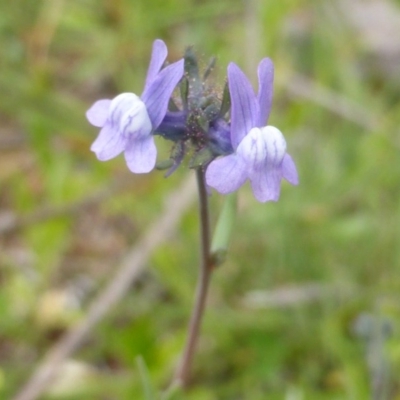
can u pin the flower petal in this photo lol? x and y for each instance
(244, 108)
(289, 170)
(135, 121)
(122, 104)
(108, 144)
(158, 56)
(226, 174)
(265, 90)
(98, 112)
(156, 96)
(266, 183)
(141, 155)
(262, 146)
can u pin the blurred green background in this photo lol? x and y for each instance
(307, 305)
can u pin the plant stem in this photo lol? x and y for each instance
(182, 374)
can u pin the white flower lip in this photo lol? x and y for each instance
(263, 145)
(120, 105)
(129, 113)
(275, 143)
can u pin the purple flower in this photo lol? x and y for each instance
(127, 121)
(259, 151)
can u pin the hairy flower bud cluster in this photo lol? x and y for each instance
(226, 135)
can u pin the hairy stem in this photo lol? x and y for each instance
(206, 266)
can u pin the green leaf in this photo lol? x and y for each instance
(149, 391)
(174, 392)
(165, 164)
(212, 111)
(210, 68)
(193, 77)
(172, 105)
(226, 101)
(184, 91)
(201, 158)
(223, 230)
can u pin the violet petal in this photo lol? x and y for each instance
(244, 108)
(156, 96)
(158, 56)
(98, 112)
(289, 170)
(141, 155)
(108, 144)
(265, 91)
(266, 183)
(226, 174)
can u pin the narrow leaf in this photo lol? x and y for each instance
(226, 101)
(210, 68)
(224, 228)
(149, 392)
